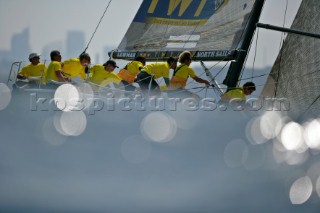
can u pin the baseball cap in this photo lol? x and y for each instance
(112, 62)
(33, 55)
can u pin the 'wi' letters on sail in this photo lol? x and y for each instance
(178, 12)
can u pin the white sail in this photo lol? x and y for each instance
(295, 75)
(213, 27)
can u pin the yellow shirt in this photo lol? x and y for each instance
(180, 78)
(134, 67)
(73, 68)
(236, 93)
(34, 71)
(99, 75)
(51, 72)
(160, 69)
(130, 71)
(184, 71)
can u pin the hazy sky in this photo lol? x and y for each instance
(49, 22)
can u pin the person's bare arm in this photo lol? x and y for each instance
(200, 80)
(60, 75)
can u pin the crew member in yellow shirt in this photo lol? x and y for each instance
(75, 67)
(54, 72)
(148, 74)
(34, 72)
(103, 75)
(239, 94)
(180, 77)
(130, 71)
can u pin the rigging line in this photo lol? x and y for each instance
(310, 105)
(196, 92)
(255, 54)
(192, 82)
(245, 62)
(285, 14)
(257, 76)
(216, 65)
(97, 26)
(281, 49)
(222, 60)
(134, 82)
(221, 69)
(243, 67)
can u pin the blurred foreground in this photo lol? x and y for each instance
(156, 161)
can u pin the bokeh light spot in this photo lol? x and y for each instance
(235, 153)
(271, 124)
(301, 190)
(5, 96)
(72, 123)
(158, 127)
(253, 132)
(86, 94)
(291, 136)
(50, 135)
(185, 119)
(318, 186)
(312, 134)
(66, 97)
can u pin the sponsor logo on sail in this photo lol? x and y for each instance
(126, 54)
(209, 54)
(178, 12)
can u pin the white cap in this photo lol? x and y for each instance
(33, 55)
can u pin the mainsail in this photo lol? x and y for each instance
(211, 29)
(295, 75)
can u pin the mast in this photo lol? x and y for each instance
(235, 68)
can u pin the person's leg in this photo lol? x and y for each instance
(127, 86)
(129, 89)
(143, 79)
(155, 88)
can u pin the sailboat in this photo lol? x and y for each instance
(222, 31)
(170, 161)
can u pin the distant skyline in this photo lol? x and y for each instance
(71, 46)
(50, 23)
